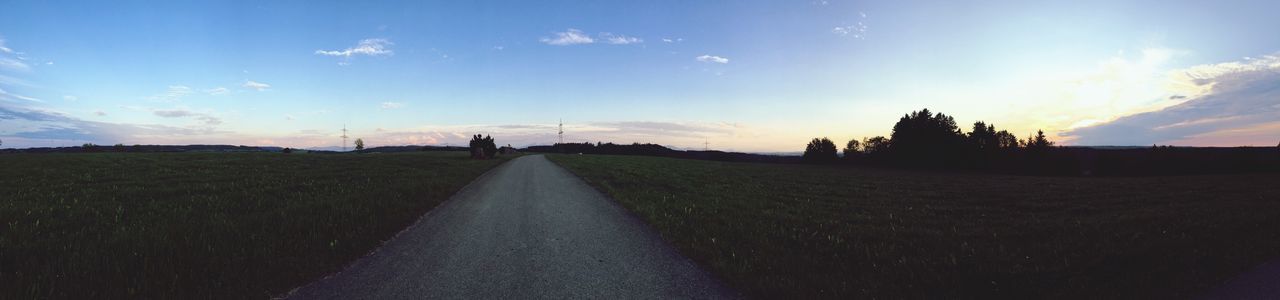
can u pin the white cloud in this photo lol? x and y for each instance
(70, 98)
(618, 39)
(1224, 104)
(99, 113)
(712, 59)
(218, 91)
(670, 40)
(569, 37)
(370, 47)
(256, 85)
(5, 95)
(391, 105)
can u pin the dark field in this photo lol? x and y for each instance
(799, 231)
(205, 225)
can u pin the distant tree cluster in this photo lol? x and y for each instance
(820, 151)
(924, 139)
(483, 147)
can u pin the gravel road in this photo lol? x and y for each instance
(526, 229)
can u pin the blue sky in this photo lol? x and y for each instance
(740, 75)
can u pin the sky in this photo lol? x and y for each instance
(755, 76)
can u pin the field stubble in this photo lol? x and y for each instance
(787, 231)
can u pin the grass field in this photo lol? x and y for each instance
(205, 225)
(800, 231)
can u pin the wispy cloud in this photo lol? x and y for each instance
(70, 98)
(1220, 102)
(618, 39)
(391, 105)
(206, 119)
(30, 127)
(12, 60)
(173, 93)
(5, 95)
(370, 47)
(218, 91)
(568, 37)
(857, 30)
(256, 85)
(13, 64)
(670, 40)
(4, 49)
(712, 59)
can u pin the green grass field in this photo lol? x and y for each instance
(205, 225)
(800, 231)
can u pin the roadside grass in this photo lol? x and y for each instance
(205, 225)
(802, 231)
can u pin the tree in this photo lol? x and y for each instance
(483, 147)
(923, 138)
(1039, 142)
(983, 137)
(287, 150)
(852, 149)
(820, 150)
(1006, 140)
(875, 145)
(359, 144)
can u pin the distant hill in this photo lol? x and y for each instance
(659, 150)
(411, 148)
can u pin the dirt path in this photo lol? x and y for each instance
(527, 229)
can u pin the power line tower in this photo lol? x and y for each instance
(561, 131)
(344, 137)
(706, 144)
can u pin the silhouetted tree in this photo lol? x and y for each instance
(852, 149)
(983, 137)
(359, 144)
(483, 147)
(922, 138)
(1039, 142)
(287, 150)
(874, 146)
(1006, 140)
(820, 151)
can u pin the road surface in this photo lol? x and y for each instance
(526, 229)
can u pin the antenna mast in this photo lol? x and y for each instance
(344, 137)
(561, 131)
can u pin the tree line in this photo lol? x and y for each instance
(928, 140)
(924, 139)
